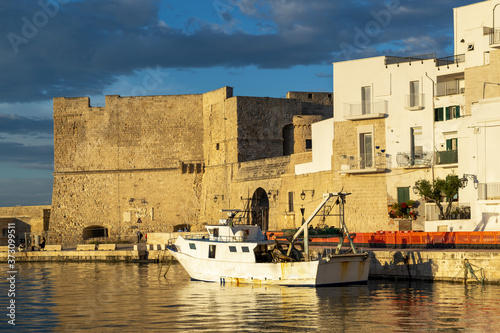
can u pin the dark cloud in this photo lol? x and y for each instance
(26, 156)
(25, 192)
(13, 124)
(80, 48)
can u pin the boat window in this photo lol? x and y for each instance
(245, 249)
(192, 246)
(211, 251)
(216, 232)
(232, 249)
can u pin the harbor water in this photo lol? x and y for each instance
(127, 297)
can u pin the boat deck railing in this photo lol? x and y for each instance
(223, 239)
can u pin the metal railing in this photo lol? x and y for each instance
(391, 60)
(364, 161)
(366, 108)
(415, 101)
(450, 60)
(404, 159)
(449, 88)
(494, 36)
(446, 157)
(488, 191)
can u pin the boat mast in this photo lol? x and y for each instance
(326, 197)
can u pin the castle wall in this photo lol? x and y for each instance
(135, 157)
(171, 160)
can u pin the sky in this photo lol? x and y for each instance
(71, 48)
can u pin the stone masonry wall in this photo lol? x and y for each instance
(135, 157)
(475, 77)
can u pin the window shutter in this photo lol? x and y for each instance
(403, 194)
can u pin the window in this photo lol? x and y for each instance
(452, 112)
(366, 100)
(217, 146)
(365, 149)
(245, 249)
(309, 144)
(192, 246)
(448, 113)
(403, 194)
(232, 249)
(211, 251)
(290, 201)
(310, 96)
(452, 144)
(414, 93)
(416, 149)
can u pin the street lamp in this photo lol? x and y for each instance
(218, 196)
(303, 194)
(464, 181)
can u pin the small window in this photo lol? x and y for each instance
(232, 249)
(439, 114)
(211, 251)
(245, 249)
(192, 246)
(310, 96)
(290, 201)
(309, 144)
(216, 232)
(216, 146)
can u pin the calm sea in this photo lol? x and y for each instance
(101, 297)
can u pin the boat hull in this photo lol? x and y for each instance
(337, 270)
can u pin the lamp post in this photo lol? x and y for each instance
(303, 194)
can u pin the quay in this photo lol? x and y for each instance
(452, 265)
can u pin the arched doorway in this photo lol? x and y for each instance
(260, 209)
(95, 231)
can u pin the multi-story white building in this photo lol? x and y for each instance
(401, 119)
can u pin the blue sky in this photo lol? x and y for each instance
(55, 48)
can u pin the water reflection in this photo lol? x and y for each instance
(73, 297)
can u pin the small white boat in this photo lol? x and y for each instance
(232, 253)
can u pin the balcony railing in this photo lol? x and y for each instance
(415, 101)
(454, 59)
(363, 162)
(366, 108)
(446, 157)
(488, 191)
(391, 60)
(404, 159)
(494, 36)
(449, 88)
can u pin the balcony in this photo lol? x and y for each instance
(409, 160)
(390, 60)
(488, 191)
(450, 88)
(451, 60)
(415, 102)
(365, 163)
(494, 36)
(446, 157)
(366, 110)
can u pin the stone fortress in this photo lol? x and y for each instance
(176, 161)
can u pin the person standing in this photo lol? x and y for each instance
(42, 244)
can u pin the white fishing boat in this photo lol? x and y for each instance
(233, 253)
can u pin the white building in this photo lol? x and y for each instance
(424, 117)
